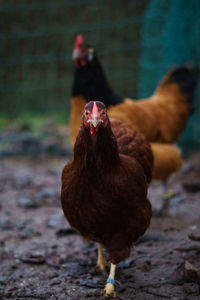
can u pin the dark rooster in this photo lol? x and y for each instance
(104, 188)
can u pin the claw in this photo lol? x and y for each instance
(167, 195)
(101, 266)
(109, 290)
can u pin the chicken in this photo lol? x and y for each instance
(104, 187)
(160, 118)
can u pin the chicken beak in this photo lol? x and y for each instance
(95, 121)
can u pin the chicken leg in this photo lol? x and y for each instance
(167, 194)
(101, 261)
(110, 285)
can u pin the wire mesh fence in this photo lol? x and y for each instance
(37, 39)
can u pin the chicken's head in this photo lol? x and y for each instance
(82, 53)
(95, 116)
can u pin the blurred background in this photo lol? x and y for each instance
(137, 41)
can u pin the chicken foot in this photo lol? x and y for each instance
(101, 260)
(167, 194)
(110, 285)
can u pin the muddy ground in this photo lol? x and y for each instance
(42, 258)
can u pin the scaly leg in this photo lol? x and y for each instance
(167, 195)
(110, 285)
(101, 261)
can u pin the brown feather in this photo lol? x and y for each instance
(133, 144)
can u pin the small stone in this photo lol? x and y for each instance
(45, 193)
(55, 282)
(6, 225)
(65, 232)
(22, 225)
(55, 221)
(51, 275)
(27, 202)
(33, 258)
(127, 263)
(29, 233)
(89, 284)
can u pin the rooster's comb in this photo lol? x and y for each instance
(79, 41)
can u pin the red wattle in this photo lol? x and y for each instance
(92, 129)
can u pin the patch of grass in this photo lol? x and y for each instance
(32, 121)
(4, 121)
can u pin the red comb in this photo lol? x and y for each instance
(79, 41)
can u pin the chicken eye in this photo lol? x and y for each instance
(87, 113)
(103, 112)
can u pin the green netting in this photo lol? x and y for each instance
(171, 36)
(37, 38)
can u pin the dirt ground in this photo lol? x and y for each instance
(42, 258)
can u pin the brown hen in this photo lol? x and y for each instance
(104, 187)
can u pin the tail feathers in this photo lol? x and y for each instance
(185, 78)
